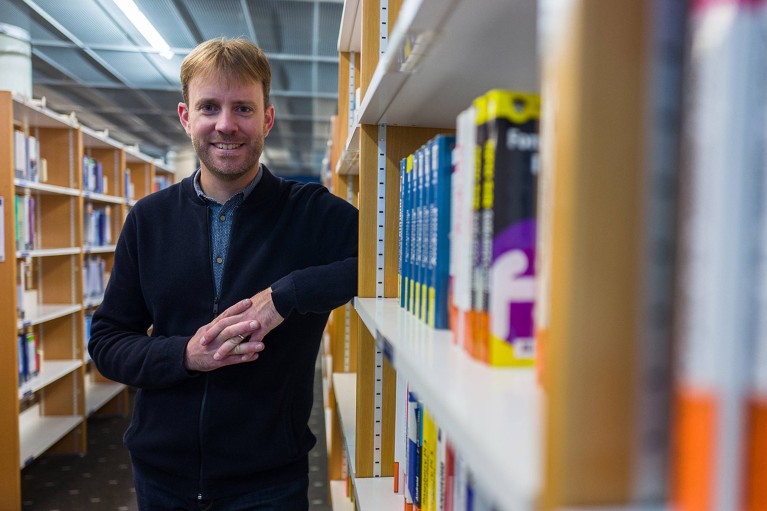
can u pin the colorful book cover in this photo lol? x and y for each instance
(428, 462)
(510, 167)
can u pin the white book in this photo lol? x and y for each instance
(717, 307)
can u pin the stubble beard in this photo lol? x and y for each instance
(229, 172)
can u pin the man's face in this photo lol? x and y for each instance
(227, 122)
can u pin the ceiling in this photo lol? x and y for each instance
(88, 58)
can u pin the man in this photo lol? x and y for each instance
(218, 422)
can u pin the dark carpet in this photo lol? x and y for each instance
(102, 479)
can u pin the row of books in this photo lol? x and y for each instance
(94, 179)
(97, 226)
(95, 277)
(468, 229)
(24, 206)
(424, 224)
(29, 356)
(161, 183)
(430, 473)
(27, 163)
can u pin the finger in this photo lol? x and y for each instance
(237, 308)
(245, 349)
(216, 327)
(243, 328)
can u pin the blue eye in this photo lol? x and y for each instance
(207, 108)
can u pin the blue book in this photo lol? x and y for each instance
(441, 171)
(401, 233)
(413, 461)
(409, 232)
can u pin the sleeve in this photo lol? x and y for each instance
(333, 281)
(120, 345)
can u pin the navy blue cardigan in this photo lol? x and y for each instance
(245, 426)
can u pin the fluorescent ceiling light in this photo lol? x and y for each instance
(129, 8)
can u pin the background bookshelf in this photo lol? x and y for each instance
(68, 172)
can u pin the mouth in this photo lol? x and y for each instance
(227, 147)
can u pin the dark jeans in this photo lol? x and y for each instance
(291, 496)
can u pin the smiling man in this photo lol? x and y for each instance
(223, 400)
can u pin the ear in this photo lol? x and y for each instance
(268, 119)
(183, 116)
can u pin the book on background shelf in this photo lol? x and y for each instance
(508, 227)
(25, 211)
(98, 225)
(128, 187)
(723, 196)
(26, 157)
(29, 356)
(93, 176)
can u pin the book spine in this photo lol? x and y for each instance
(479, 282)
(509, 225)
(412, 450)
(463, 233)
(716, 306)
(401, 232)
(442, 163)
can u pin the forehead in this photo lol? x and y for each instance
(215, 85)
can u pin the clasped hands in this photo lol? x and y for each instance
(221, 342)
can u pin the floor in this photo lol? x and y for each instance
(102, 480)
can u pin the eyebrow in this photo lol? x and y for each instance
(204, 101)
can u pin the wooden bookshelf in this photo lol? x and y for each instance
(47, 412)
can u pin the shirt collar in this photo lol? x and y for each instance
(245, 191)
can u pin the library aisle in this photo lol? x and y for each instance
(102, 479)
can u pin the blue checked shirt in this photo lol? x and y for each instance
(221, 219)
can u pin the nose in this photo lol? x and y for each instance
(226, 122)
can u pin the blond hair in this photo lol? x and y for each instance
(233, 58)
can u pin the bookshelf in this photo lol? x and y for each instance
(44, 410)
(577, 435)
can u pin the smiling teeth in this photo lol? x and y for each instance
(227, 146)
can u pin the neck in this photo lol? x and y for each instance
(221, 189)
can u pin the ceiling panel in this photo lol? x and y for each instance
(217, 18)
(76, 64)
(86, 20)
(167, 19)
(87, 58)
